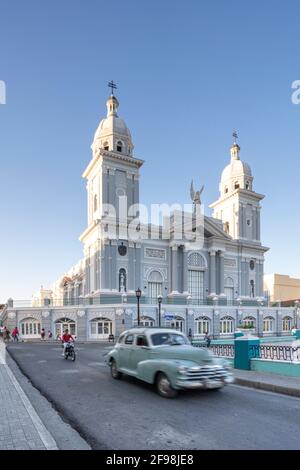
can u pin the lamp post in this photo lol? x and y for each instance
(159, 300)
(124, 301)
(138, 294)
(261, 302)
(295, 312)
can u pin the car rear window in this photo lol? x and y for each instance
(141, 341)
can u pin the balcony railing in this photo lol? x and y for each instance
(131, 299)
(225, 350)
(276, 353)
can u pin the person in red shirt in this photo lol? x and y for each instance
(66, 338)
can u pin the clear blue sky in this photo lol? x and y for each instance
(188, 74)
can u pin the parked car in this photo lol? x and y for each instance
(166, 358)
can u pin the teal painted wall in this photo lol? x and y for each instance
(276, 367)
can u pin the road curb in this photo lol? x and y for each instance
(294, 392)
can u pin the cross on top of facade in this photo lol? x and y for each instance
(112, 85)
(235, 136)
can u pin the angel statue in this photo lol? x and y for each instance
(196, 195)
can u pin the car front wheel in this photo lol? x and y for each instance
(164, 386)
(114, 371)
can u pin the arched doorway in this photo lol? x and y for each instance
(30, 328)
(63, 324)
(177, 323)
(101, 328)
(147, 321)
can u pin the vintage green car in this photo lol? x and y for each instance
(165, 357)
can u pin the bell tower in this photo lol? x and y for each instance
(238, 205)
(112, 182)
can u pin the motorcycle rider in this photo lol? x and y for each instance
(66, 339)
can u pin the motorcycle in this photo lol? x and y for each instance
(70, 351)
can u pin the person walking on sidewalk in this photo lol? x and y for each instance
(207, 339)
(15, 334)
(6, 334)
(43, 334)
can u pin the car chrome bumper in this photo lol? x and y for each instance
(204, 384)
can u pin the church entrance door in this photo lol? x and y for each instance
(101, 328)
(30, 328)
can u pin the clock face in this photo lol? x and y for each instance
(122, 250)
(252, 265)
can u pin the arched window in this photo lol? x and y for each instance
(229, 288)
(226, 326)
(252, 288)
(249, 322)
(226, 227)
(269, 325)
(202, 325)
(119, 146)
(177, 323)
(286, 324)
(63, 324)
(30, 328)
(196, 260)
(236, 185)
(106, 146)
(122, 280)
(196, 266)
(247, 185)
(155, 285)
(226, 189)
(95, 203)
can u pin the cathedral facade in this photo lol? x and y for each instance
(229, 263)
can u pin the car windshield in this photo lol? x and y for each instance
(159, 339)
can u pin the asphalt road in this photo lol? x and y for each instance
(128, 414)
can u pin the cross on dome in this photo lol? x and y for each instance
(113, 86)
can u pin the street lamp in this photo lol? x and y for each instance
(159, 299)
(138, 294)
(124, 301)
(295, 312)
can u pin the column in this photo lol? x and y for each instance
(184, 270)
(212, 272)
(244, 221)
(131, 257)
(174, 268)
(102, 268)
(221, 273)
(114, 274)
(257, 279)
(240, 228)
(254, 218)
(258, 224)
(108, 265)
(138, 266)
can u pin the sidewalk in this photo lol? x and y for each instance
(271, 382)
(20, 426)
